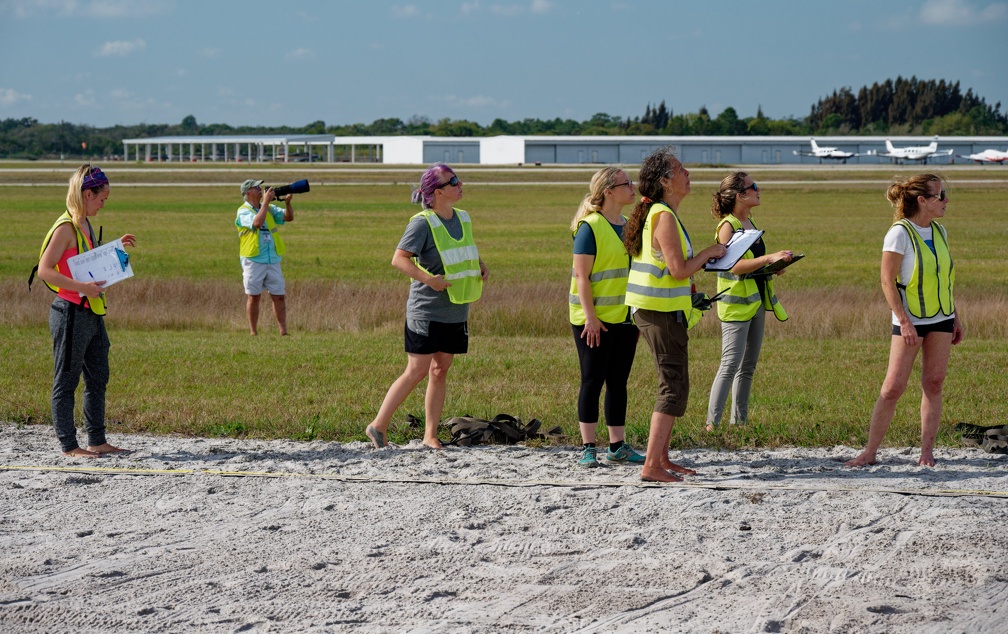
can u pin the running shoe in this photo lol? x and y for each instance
(588, 458)
(624, 454)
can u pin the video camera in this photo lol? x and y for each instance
(297, 187)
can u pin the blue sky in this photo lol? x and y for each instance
(255, 62)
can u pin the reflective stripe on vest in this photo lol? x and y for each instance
(930, 287)
(608, 277)
(97, 304)
(248, 239)
(649, 284)
(742, 299)
(459, 257)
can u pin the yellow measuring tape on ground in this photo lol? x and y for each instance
(721, 485)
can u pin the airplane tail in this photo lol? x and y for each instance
(889, 147)
(815, 146)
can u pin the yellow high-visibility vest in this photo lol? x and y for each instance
(742, 299)
(649, 284)
(929, 289)
(97, 304)
(459, 257)
(248, 238)
(608, 275)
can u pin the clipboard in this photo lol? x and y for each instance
(779, 265)
(737, 246)
(109, 262)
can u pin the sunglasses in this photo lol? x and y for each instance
(940, 196)
(753, 187)
(626, 184)
(453, 181)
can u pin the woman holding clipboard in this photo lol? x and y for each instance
(744, 300)
(77, 316)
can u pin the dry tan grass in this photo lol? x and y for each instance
(517, 309)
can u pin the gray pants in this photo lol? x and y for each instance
(80, 345)
(740, 347)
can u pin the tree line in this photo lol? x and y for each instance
(894, 107)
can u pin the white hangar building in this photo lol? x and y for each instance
(521, 150)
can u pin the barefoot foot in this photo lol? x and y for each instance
(81, 453)
(927, 460)
(651, 474)
(674, 468)
(106, 448)
(432, 443)
(863, 460)
(377, 437)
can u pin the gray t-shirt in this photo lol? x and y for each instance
(424, 303)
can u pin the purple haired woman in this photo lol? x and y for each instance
(438, 253)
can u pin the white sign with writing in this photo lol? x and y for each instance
(109, 262)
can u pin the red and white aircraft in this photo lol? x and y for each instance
(913, 153)
(987, 156)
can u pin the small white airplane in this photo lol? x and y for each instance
(987, 156)
(913, 153)
(826, 153)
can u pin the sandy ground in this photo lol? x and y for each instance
(228, 535)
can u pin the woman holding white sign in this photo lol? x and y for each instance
(77, 316)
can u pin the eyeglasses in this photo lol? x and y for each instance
(940, 196)
(453, 181)
(627, 184)
(753, 187)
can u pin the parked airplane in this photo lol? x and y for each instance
(987, 156)
(913, 153)
(826, 153)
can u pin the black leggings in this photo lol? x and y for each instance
(607, 364)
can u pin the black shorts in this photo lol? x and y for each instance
(922, 331)
(441, 337)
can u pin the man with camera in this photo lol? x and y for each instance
(261, 250)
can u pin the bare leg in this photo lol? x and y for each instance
(667, 463)
(657, 450)
(937, 347)
(587, 432)
(435, 397)
(280, 312)
(417, 366)
(106, 448)
(252, 310)
(901, 358)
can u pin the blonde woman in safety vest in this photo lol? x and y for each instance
(659, 288)
(438, 253)
(743, 306)
(605, 337)
(77, 316)
(917, 280)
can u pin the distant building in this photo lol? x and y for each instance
(518, 150)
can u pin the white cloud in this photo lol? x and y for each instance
(120, 48)
(9, 97)
(961, 13)
(507, 10)
(120, 93)
(541, 6)
(299, 54)
(85, 99)
(469, 7)
(475, 101)
(405, 11)
(86, 9)
(210, 53)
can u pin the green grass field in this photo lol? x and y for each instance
(183, 362)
